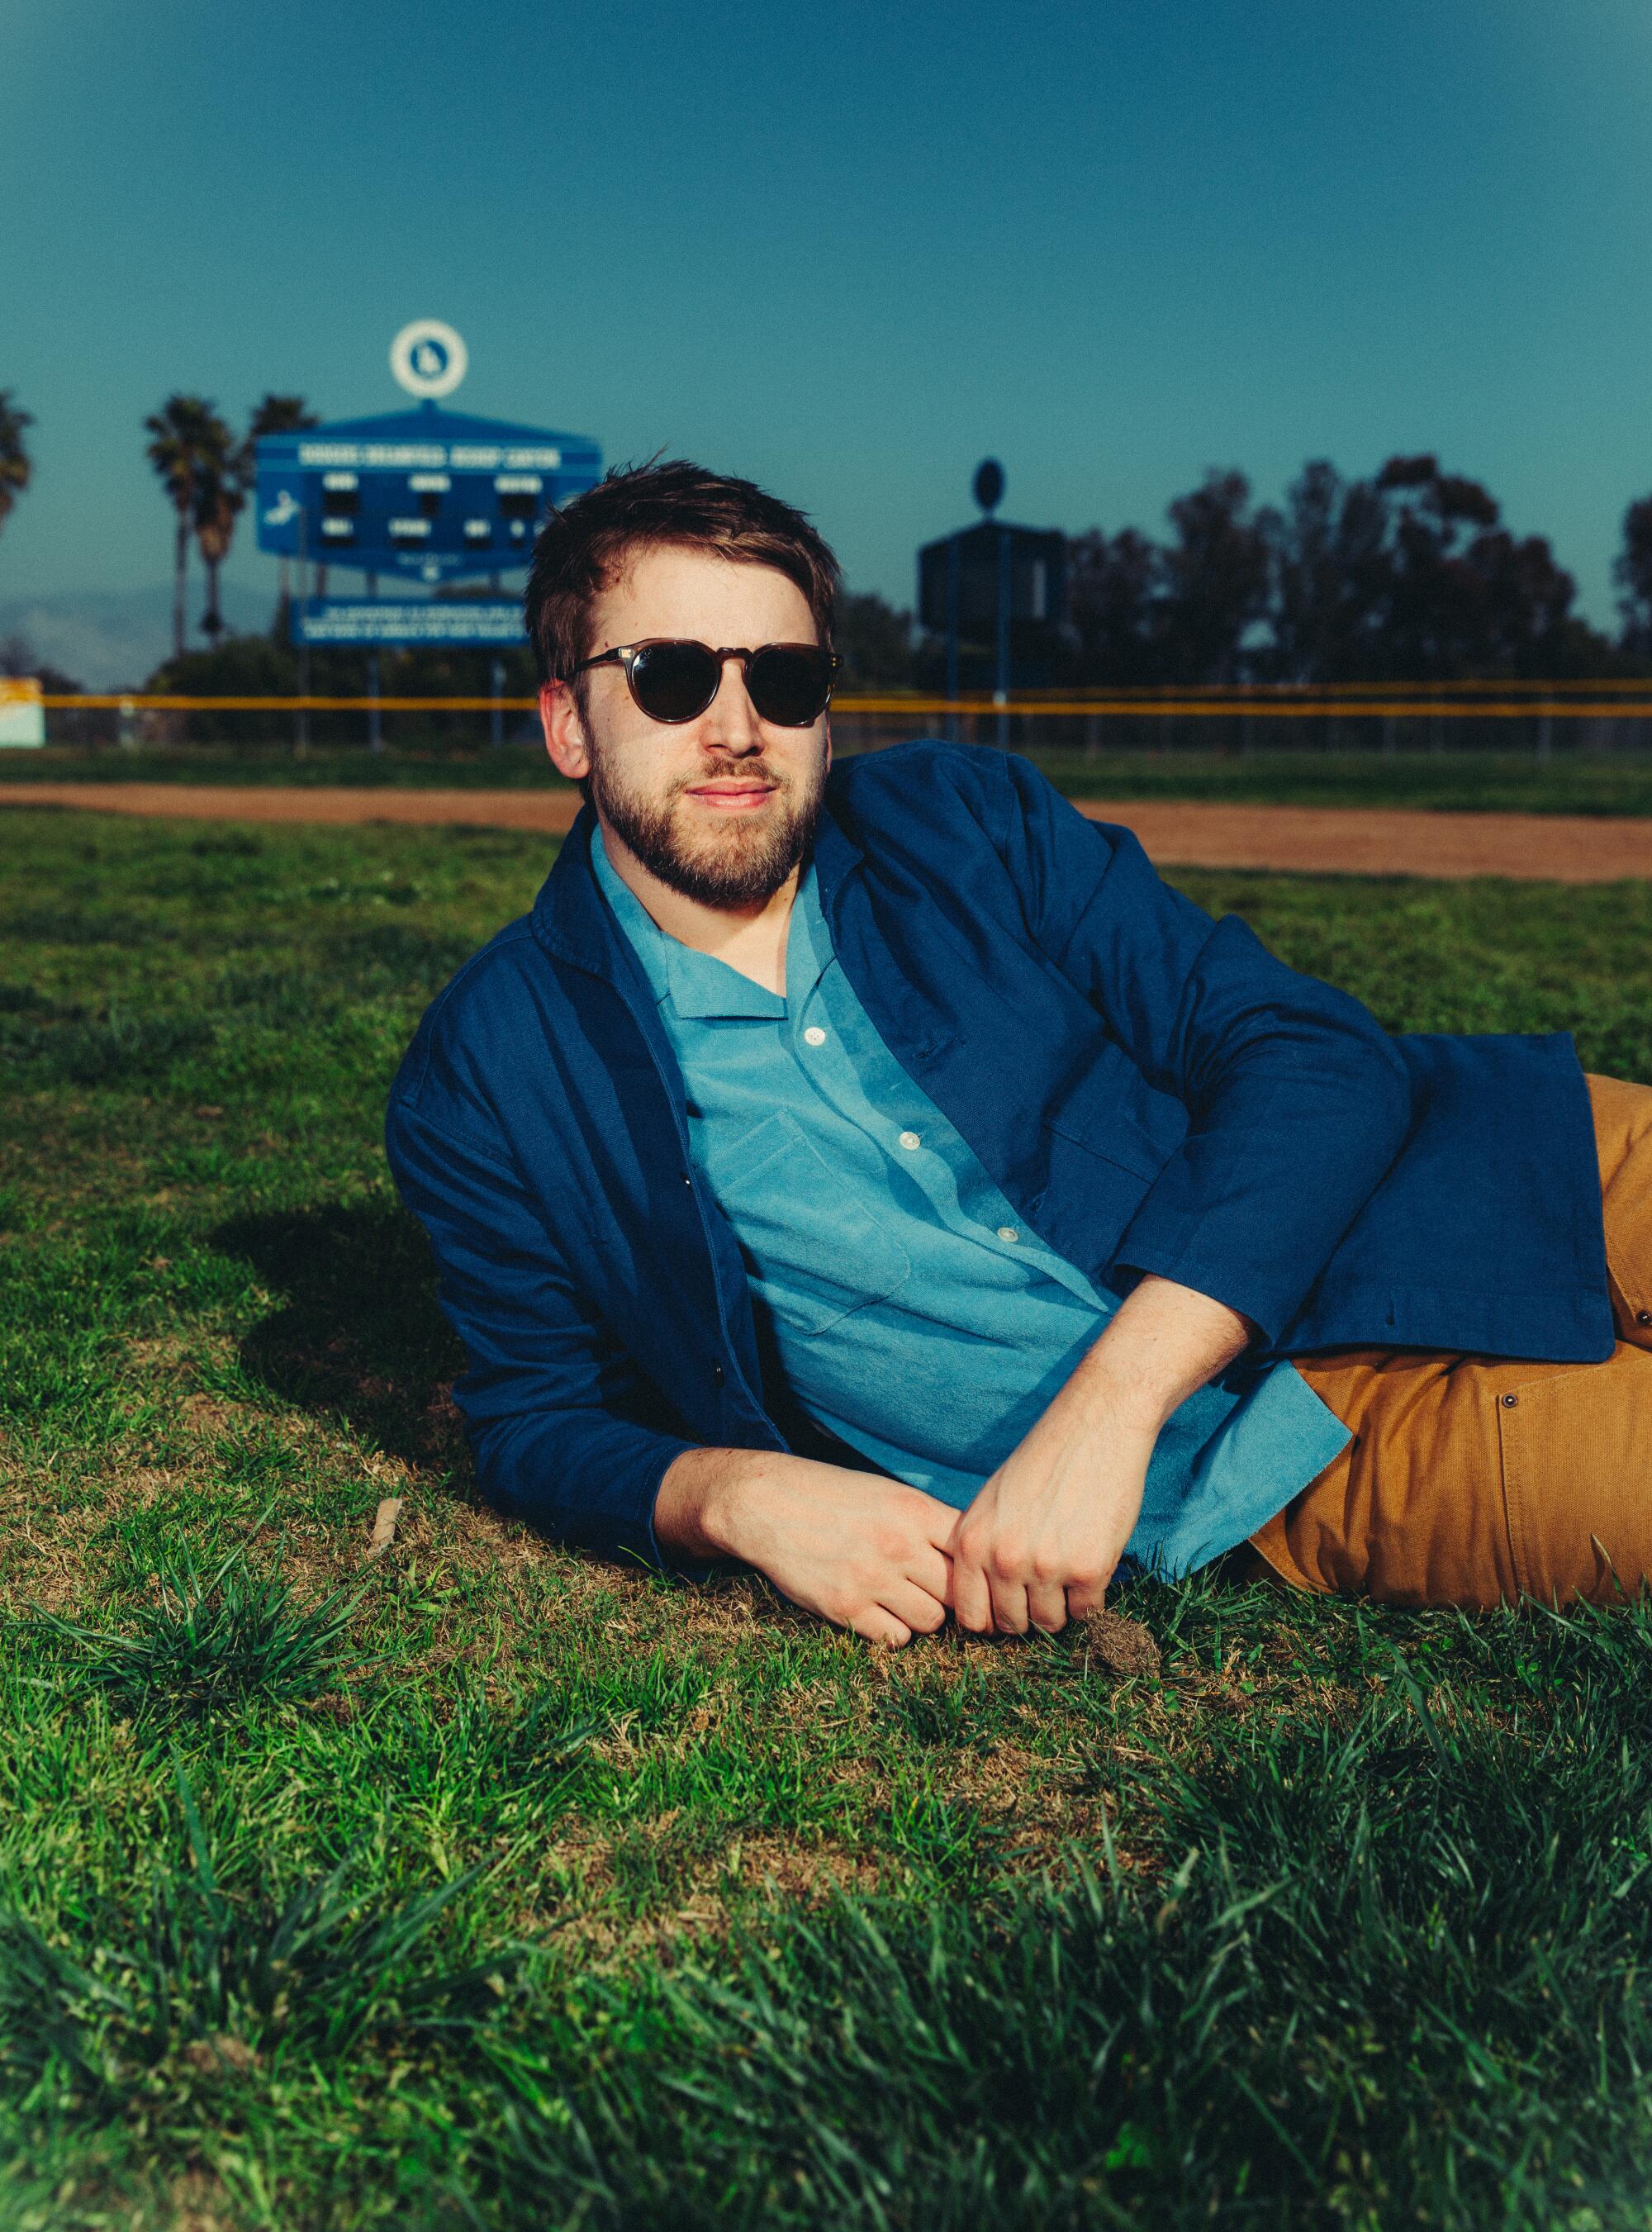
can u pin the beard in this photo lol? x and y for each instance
(738, 865)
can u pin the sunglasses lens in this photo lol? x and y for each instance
(674, 681)
(789, 684)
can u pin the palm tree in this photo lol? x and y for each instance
(220, 497)
(189, 445)
(15, 465)
(280, 414)
(276, 414)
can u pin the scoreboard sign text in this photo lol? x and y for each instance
(434, 496)
(408, 621)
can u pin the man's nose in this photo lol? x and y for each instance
(729, 723)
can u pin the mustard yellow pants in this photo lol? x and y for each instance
(1473, 1481)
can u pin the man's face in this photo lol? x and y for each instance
(723, 807)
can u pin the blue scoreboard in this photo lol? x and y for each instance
(428, 495)
(431, 495)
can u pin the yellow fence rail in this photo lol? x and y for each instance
(1447, 701)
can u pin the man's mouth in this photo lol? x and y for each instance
(732, 797)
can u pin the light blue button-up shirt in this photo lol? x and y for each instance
(914, 1315)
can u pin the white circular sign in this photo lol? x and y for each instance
(428, 358)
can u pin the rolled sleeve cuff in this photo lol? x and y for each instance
(1243, 1288)
(614, 1520)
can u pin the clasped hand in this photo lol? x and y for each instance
(1036, 1547)
(1039, 1544)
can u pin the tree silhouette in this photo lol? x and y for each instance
(1408, 576)
(1465, 596)
(280, 414)
(220, 499)
(1331, 578)
(1115, 592)
(1217, 568)
(15, 467)
(874, 641)
(1632, 571)
(190, 446)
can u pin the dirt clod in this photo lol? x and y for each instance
(1124, 1645)
(212, 2056)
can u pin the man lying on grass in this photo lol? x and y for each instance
(877, 1176)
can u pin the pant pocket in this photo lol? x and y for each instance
(1623, 1115)
(1577, 1459)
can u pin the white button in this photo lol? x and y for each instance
(1007, 1232)
(814, 1035)
(910, 1140)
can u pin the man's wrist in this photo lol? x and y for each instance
(1121, 1401)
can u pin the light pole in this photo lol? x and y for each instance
(989, 494)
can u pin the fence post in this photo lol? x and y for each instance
(375, 728)
(496, 724)
(1001, 677)
(301, 717)
(953, 594)
(1546, 732)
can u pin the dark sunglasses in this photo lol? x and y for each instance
(673, 680)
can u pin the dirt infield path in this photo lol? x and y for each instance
(1350, 841)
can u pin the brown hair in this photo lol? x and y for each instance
(581, 549)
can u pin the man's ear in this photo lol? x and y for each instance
(565, 737)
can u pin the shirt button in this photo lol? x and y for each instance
(910, 1139)
(1643, 1317)
(814, 1035)
(1007, 1232)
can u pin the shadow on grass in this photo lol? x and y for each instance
(358, 1337)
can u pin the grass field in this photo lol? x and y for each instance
(486, 1886)
(1465, 781)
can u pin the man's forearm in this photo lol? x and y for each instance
(697, 1511)
(1163, 1344)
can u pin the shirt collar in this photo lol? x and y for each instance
(701, 988)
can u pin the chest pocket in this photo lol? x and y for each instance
(814, 1250)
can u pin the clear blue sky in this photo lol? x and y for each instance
(846, 250)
